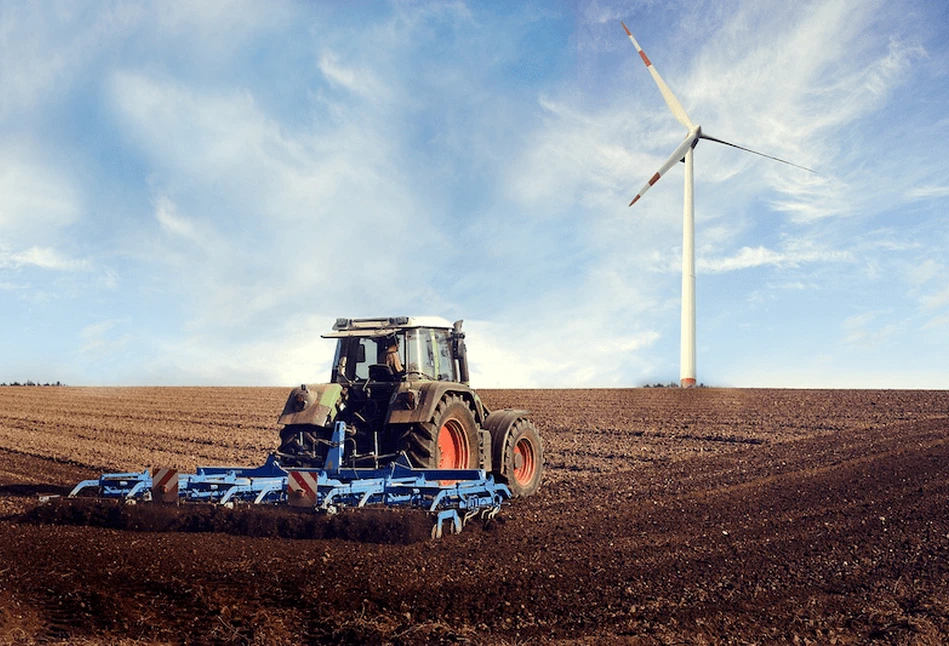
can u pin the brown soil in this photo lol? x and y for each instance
(666, 516)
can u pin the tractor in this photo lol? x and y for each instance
(400, 387)
(396, 426)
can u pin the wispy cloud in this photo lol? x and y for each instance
(171, 222)
(927, 192)
(360, 81)
(748, 257)
(42, 258)
(865, 330)
(100, 339)
(35, 197)
(940, 323)
(927, 270)
(936, 300)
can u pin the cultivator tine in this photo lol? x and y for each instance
(85, 484)
(270, 489)
(450, 515)
(128, 486)
(164, 485)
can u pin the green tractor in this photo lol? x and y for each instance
(401, 387)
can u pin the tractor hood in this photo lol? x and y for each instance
(315, 404)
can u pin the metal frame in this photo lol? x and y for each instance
(452, 496)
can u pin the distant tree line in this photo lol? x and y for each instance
(32, 383)
(671, 384)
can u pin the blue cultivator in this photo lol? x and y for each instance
(449, 495)
(223, 485)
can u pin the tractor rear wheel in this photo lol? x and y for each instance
(522, 458)
(448, 441)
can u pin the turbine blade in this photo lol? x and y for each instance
(667, 94)
(676, 156)
(749, 150)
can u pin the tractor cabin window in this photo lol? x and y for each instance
(443, 359)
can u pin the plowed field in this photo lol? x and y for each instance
(666, 517)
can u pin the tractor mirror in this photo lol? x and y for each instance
(360, 353)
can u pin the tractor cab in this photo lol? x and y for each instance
(398, 349)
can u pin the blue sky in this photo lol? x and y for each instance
(190, 193)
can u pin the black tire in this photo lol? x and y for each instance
(519, 458)
(453, 422)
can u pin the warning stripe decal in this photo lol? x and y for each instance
(301, 488)
(164, 479)
(303, 482)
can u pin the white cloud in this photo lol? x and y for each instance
(748, 257)
(46, 52)
(787, 83)
(927, 270)
(171, 222)
(574, 158)
(937, 300)
(36, 199)
(290, 354)
(101, 340)
(43, 50)
(937, 323)
(361, 81)
(585, 350)
(865, 331)
(42, 258)
(291, 213)
(927, 192)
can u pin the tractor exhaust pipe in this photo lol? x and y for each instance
(460, 351)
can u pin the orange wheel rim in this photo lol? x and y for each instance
(452, 446)
(525, 463)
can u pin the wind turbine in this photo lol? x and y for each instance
(683, 153)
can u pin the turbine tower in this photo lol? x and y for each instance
(683, 153)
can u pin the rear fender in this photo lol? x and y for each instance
(426, 395)
(315, 404)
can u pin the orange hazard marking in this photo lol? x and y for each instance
(645, 58)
